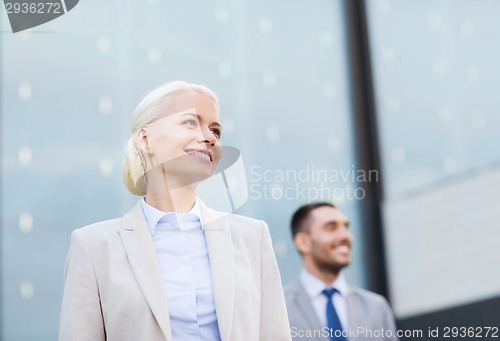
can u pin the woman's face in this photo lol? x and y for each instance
(187, 140)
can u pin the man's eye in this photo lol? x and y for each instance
(331, 227)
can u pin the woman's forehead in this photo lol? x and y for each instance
(192, 98)
(210, 116)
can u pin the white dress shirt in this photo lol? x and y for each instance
(181, 248)
(314, 288)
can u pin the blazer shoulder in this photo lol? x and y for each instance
(365, 293)
(234, 219)
(244, 221)
(247, 229)
(369, 297)
(370, 309)
(242, 228)
(100, 230)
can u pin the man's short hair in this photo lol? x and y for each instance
(300, 216)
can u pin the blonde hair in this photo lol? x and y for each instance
(154, 105)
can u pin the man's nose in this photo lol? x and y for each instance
(345, 233)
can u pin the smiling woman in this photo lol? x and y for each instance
(172, 268)
(172, 122)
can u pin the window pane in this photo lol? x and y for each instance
(437, 85)
(69, 88)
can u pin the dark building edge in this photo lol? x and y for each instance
(1, 204)
(366, 144)
(481, 314)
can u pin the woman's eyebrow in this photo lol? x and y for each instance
(217, 124)
(200, 119)
(191, 114)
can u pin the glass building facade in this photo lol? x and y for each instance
(283, 75)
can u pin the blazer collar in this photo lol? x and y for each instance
(302, 301)
(355, 311)
(141, 255)
(314, 287)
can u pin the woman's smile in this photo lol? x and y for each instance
(205, 155)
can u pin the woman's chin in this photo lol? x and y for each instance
(187, 176)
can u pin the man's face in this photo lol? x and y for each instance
(328, 239)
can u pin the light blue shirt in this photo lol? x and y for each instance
(182, 253)
(314, 288)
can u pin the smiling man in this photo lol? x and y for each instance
(321, 306)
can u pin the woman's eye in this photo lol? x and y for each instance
(216, 132)
(191, 122)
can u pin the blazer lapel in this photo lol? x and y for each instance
(303, 303)
(141, 255)
(220, 252)
(354, 312)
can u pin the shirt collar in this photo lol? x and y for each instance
(314, 286)
(154, 215)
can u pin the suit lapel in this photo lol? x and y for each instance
(141, 255)
(353, 311)
(220, 252)
(305, 308)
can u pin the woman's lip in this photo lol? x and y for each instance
(200, 153)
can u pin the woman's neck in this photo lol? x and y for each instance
(180, 200)
(167, 196)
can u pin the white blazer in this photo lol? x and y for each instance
(113, 289)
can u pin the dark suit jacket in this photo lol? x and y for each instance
(365, 310)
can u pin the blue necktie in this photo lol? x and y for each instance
(333, 322)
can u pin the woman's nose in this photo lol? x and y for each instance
(206, 136)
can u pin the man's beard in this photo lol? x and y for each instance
(330, 267)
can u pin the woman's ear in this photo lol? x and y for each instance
(303, 242)
(143, 141)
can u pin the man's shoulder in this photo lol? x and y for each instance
(356, 291)
(366, 297)
(370, 310)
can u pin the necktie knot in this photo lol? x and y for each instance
(329, 292)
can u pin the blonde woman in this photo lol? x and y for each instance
(172, 268)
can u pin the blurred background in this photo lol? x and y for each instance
(388, 108)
